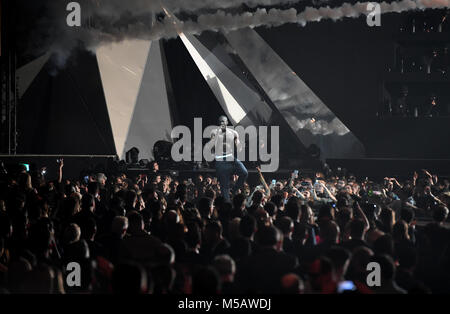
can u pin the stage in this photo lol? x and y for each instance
(77, 166)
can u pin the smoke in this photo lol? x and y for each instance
(299, 105)
(107, 21)
(116, 20)
(225, 22)
(114, 13)
(176, 6)
(136, 7)
(317, 127)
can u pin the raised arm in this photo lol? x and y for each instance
(436, 199)
(330, 195)
(428, 175)
(414, 178)
(396, 183)
(263, 181)
(291, 179)
(363, 216)
(298, 193)
(60, 171)
(315, 197)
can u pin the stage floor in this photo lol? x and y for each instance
(374, 168)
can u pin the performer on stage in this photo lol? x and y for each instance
(226, 163)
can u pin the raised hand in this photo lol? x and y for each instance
(427, 173)
(435, 178)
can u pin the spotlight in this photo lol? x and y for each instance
(132, 156)
(143, 163)
(162, 151)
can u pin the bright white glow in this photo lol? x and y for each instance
(151, 120)
(235, 112)
(121, 68)
(127, 69)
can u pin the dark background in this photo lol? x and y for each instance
(343, 62)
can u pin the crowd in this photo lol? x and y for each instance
(157, 234)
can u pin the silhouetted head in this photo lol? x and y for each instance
(329, 231)
(285, 224)
(440, 214)
(225, 266)
(384, 245)
(292, 284)
(129, 279)
(135, 222)
(340, 257)
(119, 226)
(206, 281)
(268, 236)
(239, 201)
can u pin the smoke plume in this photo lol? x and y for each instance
(107, 21)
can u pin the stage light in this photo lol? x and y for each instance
(143, 163)
(162, 151)
(132, 156)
